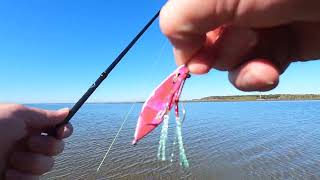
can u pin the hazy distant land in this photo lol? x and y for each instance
(271, 97)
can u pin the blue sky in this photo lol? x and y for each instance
(52, 50)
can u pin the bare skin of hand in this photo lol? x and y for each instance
(254, 40)
(25, 153)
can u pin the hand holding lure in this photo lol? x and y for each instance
(156, 109)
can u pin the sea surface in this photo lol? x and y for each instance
(223, 141)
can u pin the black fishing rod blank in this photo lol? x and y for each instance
(105, 74)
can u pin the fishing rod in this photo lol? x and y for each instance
(105, 74)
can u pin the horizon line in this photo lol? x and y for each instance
(142, 101)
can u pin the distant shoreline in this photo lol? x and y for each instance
(235, 98)
(271, 97)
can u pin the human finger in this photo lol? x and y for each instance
(31, 163)
(12, 174)
(45, 145)
(186, 22)
(224, 49)
(255, 75)
(42, 119)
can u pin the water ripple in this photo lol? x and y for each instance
(246, 140)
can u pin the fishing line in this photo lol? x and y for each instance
(157, 59)
(161, 52)
(115, 138)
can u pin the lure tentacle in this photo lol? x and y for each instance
(163, 139)
(183, 157)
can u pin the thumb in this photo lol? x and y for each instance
(43, 119)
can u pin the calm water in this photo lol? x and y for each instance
(246, 140)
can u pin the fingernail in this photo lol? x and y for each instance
(270, 82)
(65, 132)
(63, 110)
(199, 68)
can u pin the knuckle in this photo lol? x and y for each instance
(17, 108)
(169, 24)
(50, 164)
(41, 164)
(165, 25)
(45, 145)
(55, 147)
(51, 144)
(35, 165)
(60, 147)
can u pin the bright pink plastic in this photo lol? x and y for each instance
(161, 101)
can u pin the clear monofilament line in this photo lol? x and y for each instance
(159, 55)
(115, 138)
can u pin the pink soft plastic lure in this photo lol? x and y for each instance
(161, 101)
